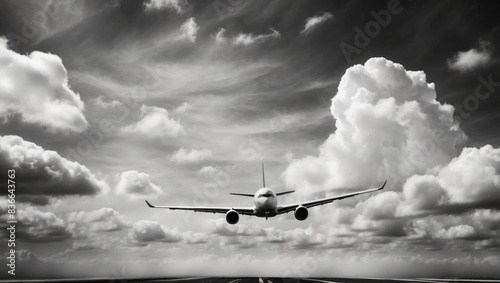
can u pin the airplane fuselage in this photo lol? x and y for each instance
(266, 203)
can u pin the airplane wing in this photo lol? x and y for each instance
(208, 209)
(290, 207)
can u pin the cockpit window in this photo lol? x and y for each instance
(265, 195)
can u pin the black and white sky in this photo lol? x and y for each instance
(106, 103)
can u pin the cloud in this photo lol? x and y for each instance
(35, 86)
(471, 59)
(45, 172)
(219, 36)
(145, 231)
(389, 125)
(297, 238)
(459, 232)
(313, 23)
(193, 156)
(183, 108)
(208, 170)
(176, 5)
(99, 101)
(136, 184)
(103, 219)
(473, 177)
(189, 30)
(155, 123)
(222, 228)
(250, 39)
(38, 226)
(470, 181)
(195, 238)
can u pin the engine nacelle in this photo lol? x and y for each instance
(232, 217)
(301, 213)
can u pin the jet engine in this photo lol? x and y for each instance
(301, 213)
(232, 216)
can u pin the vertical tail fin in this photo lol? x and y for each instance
(263, 177)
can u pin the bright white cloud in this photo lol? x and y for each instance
(473, 177)
(189, 30)
(208, 170)
(316, 21)
(459, 232)
(472, 180)
(35, 86)
(389, 125)
(219, 36)
(194, 156)
(155, 123)
(471, 59)
(136, 184)
(45, 172)
(146, 231)
(99, 101)
(222, 228)
(183, 108)
(250, 39)
(103, 219)
(176, 5)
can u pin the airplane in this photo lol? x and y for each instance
(266, 204)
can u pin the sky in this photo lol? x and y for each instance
(106, 103)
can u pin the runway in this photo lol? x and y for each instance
(264, 280)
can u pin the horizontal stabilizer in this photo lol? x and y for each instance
(284, 193)
(240, 194)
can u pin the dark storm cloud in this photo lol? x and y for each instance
(34, 199)
(46, 173)
(38, 226)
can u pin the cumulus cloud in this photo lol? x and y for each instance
(146, 231)
(195, 238)
(136, 184)
(183, 108)
(471, 59)
(45, 172)
(250, 39)
(222, 228)
(155, 123)
(189, 30)
(38, 226)
(470, 181)
(104, 219)
(297, 238)
(99, 101)
(35, 86)
(389, 125)
(176, 5)
(193, 156)
(219, 36)
(313, 23)
(208, 170)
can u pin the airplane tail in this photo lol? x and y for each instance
(263, 177)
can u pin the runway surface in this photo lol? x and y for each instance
(264, 280)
